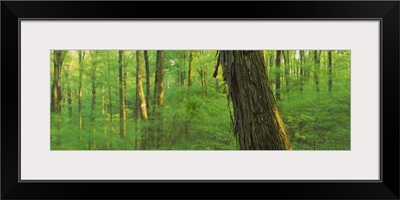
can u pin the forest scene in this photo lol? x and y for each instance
(200, 99)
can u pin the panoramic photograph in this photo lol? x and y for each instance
(200, 99)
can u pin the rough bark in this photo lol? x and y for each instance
(257, 124)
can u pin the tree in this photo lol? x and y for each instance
(317, 60)
(258, 124)
(93, 55)
(278, 75)
(159, 79)
(147, 66)
(158, 94)
(81, 55)
(69, 92)
(190, 83)
(122, 112)
(330, 71)
(58, 58)
(109, 99)
(141, 107)
(286, 58)
(301, 71)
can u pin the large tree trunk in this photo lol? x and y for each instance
(258, 124)
(190, 83)
(278, 75)
(330, 71)
(122, 113)
(81, 55)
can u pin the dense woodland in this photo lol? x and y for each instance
(200, 100)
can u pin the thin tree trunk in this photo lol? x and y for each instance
(316, 68)
(56, 98)
(182, 79)
(103, 109)
(142, 100)
(330, 71)
(278, 75)
(109, 102)
(216, 85)
(258, 124)
(287, 74)
(81, 55)
(69, 93)
(146, 62)
(93, 54)
(205, 78)
(190, 83)
(122, 113)
(158, 96)
(301, 71)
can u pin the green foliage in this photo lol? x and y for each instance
(198, 117)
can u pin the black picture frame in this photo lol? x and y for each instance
(13, 11)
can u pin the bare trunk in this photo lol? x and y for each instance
(301, 71)
(58, 58)
(278, 75)
(190, 83)
(158, 97)
(109, 103)
(316, 68)
(287, 74)
(258, 124)
(330, 71)
(69, 93)
(122, 113)
(142, 100)
(146, 62)
(93, 54)
(81, 55)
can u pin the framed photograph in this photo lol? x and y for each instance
(298, 97)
